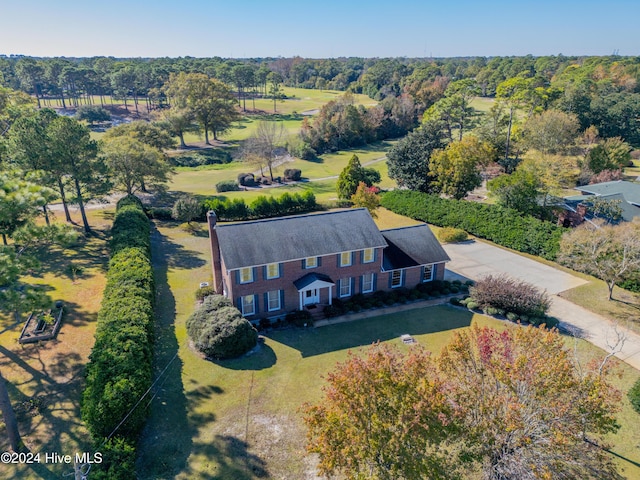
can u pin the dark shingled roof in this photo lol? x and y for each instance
(412, 246)
(284, 239)
(309, 278)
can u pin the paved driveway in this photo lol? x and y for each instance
(475, 259)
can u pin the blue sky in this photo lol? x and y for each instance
(329, 28)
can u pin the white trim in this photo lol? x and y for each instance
(253, 304)
(370, 275)
(277, 292)
(341, 281)
(350, 253)
(277, 275)
(240, 275)
(400, 271)
(373, 255)
(425, 280)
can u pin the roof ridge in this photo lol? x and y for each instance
(288, 217)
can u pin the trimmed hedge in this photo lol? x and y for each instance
(504, 226)
(262, 207)
(120, 365)
(227, 186)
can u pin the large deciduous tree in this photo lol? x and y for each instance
(527, 410)
(409, 159)
(609, 252)
(133, 164)
(551, 131)
(511, 405)
(383, 416)
(457, 168)
(209, 100)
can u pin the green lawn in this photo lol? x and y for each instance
(239, 419)
(202, 180)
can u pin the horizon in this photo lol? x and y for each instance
(358, 29)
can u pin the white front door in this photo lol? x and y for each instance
(311, 297)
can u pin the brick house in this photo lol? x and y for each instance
(274, 266)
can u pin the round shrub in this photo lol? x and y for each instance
(247, 179)
(222, 333)
(454, 301)
(472, 305)
(634, 396)
(512, 316)
(227, 186)
(293, 174)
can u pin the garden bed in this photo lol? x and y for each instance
(42, 325)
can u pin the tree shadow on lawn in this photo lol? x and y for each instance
(46, 400)
(358, 333)
(231, 458)
(260, 358)
(170, 254)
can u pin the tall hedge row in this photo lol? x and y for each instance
(120, 365)
(262, 207)
(504, 226)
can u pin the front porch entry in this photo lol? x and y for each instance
(309, 288)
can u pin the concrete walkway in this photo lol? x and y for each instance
(473, 260)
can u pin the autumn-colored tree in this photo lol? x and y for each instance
(383, 416)
(366, 197)
(512, 404)
(609, 252)
(526, 410)
(456, 169)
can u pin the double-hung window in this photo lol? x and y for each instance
(396, 278)
(368, 255)
(246, 275)
(427, 273)
(345, 259)
(345, 287)
(273, 270)
(311, 262)
(367, 283)
(273, 300)
(248, 305)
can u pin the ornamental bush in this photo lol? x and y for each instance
(219, 330)
(293, 174)
(227, 186)
(511, 295)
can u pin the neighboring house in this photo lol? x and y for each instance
(274, 266)
(622, 192)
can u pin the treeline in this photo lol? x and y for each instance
(120, 368)
(504, 226)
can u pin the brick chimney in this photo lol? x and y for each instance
(215, 252)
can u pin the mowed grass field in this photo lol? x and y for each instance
(45, 380)
(241, 419)
(319, 175)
